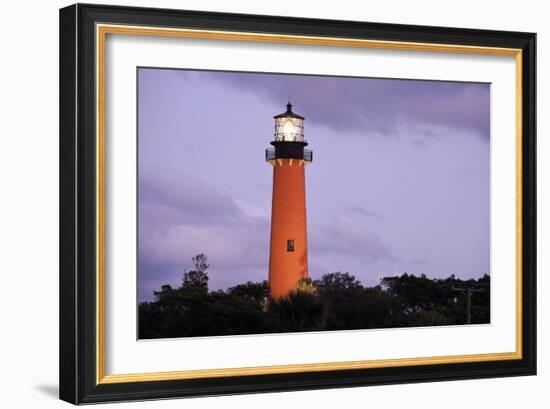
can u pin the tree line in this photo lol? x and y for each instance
(336, 301)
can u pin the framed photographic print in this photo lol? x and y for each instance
(258, 203)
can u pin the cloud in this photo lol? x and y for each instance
(181, 216)
(369, 104)
(178, 197)
(413, 130)
(345, 237)
(361, 211)
(225, 246)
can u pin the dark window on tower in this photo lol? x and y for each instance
(290, 245)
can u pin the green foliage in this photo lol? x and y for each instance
(250, 290)
(336, 284)
(306, 285)
(197, 280)
(300, 311)
(336, 301)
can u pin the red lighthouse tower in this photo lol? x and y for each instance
(288, 245)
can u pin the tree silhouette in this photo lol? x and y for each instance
(336, 301)
(197, 279)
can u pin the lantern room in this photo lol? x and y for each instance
(289, 141)
(289, 126)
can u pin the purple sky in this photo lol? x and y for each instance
(399, 181)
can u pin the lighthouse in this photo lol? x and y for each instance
(288, 261)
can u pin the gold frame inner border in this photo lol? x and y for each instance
(102, 30)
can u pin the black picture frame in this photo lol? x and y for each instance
(78, 312)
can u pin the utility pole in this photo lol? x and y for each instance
(468, 291)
